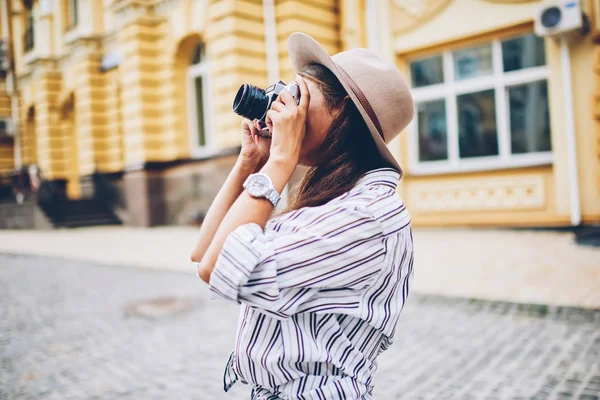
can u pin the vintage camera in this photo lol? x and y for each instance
(253, 103)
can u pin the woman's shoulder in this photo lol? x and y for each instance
(377, 201)
(380, 202)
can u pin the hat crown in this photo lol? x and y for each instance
(376, 87)
(383, 87)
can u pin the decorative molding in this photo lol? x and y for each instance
(126, 12)
(410, 13)
(526, 192)
(162, 7)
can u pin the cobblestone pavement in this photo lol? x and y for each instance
(66, 332)
(544, 267)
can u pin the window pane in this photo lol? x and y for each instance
(477, 134)
(523, 52)
(198, 56)
(473, 62)
(200, 112)
(433, 140)
(529, 118)
(427, 72)
(75, 12)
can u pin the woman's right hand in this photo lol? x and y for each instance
(255, 148)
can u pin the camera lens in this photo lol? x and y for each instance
(250, 102)
(551, 17)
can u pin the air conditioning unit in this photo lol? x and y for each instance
(554, 17)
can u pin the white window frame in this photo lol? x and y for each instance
(202, 70)
(500, 81)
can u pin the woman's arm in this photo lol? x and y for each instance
(287, 122)
(244, 210)
(255, 151)
(230, 191)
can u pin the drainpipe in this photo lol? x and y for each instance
(12, 88)
(273, 64)
(574, 200)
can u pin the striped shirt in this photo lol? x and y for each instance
(321, 290)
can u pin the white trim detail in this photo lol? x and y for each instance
(483, 164)
(500, 82)
(565, 61)
(502, 106)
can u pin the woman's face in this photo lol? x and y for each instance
(318, 121)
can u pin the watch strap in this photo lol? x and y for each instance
(273, 197)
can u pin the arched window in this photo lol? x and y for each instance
(28, 37)
(70, 14)
(198, 99)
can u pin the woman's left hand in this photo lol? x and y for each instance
(287, 122)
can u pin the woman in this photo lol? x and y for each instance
(323, 284)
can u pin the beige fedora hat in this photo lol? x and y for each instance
(376, 86)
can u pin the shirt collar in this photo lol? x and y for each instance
(381, 176)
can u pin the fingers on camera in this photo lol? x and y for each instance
(277, 106)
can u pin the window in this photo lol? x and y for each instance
(6, 128)
(481, 107)
(70, 14)
(28, 37)
(198, 95)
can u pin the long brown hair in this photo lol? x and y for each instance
(348, 151)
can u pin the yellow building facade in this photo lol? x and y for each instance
(141, 92)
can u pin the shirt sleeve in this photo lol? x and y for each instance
(277, 271)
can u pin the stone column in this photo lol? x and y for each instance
(320, 20)
(49, 138)
(138, 35)
(141, 105)
(89, 108)
(235, 45)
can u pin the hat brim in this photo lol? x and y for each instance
(304, 51)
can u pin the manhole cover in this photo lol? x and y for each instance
(159, 307)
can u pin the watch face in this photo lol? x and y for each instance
(258, 185)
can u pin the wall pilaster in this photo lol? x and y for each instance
(141, 106)
(235, 45)
(90, 106)
(319, 19)
(49, 140)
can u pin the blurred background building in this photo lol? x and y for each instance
(119, 111)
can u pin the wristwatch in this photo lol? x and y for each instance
(260, 186)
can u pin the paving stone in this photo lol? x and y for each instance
(65, 333)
